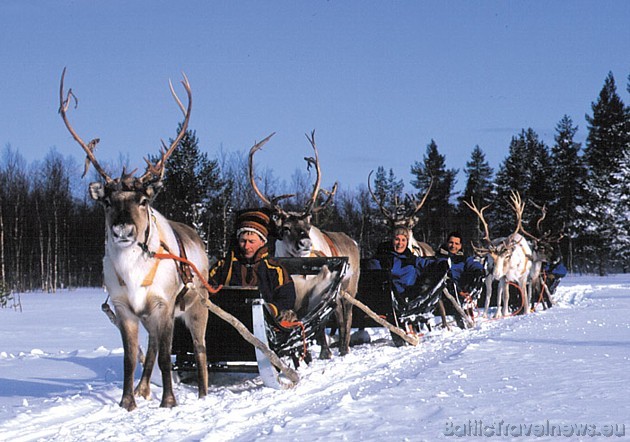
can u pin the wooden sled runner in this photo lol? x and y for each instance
(228, 351)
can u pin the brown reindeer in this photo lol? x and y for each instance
(511, 257)
(143, 288)
(405, 216)
(297, 237)
(546, 249)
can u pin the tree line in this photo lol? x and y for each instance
(52, 234)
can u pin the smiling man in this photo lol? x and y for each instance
(249, 265)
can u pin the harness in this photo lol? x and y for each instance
(333, 249)
(183, 266)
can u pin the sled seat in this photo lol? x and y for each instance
(227, 350)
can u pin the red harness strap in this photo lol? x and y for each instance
(333, 249)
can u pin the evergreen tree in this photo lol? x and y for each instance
(435, 218)
(388, 191)
(525, 170)
(479, 189)
(567, 177)
(620, 193)
(607, 139)
(193, 190)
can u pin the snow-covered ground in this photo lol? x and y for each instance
(549, 375)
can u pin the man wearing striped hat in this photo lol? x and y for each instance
(249, 265)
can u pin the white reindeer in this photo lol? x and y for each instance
(145, 289)
(511, 257)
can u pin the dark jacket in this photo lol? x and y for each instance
(463, 268)
(405, 268)
(273, 281)
(557, 269)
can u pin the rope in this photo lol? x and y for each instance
(542, 287)
(274, 359)
(468, 300)
(291, 324)
(523, 300)
(205, 283)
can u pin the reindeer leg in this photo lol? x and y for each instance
(345, 327)
(164, 362)
(143, 388)
(197, 327)
(525, 291)
(488, 296)
(321, 339)
(129, 333)
(502, 307)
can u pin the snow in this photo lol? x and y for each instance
(550, 371)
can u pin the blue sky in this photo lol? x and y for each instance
(377, 80)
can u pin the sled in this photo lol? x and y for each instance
(409, 312)
(227, 351)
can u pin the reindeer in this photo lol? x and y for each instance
(545, 249)
(143, 288)
(405, 216)
(511, 257)
(297, 237)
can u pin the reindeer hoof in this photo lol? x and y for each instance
(128, 403)
(168, 402)
(143, 390)
(325, 354)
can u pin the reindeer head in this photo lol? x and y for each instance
(546, 244)
(292, 229)
(404, 214)
(127, 200)
(501, 250)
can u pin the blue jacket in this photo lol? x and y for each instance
(405, 268)
(558, 269)
(462, 264)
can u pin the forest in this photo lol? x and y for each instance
(52, 234)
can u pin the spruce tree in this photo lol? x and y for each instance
(479, 189)
(436, 214)
(525, 170)
(620, 193)
(193, 190)
(388, 191)
(607, 139)
(567, 177)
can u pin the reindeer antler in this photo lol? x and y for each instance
(384, 211)
(418, 205)
(313, 162)
(155, 172)
(64, 103)
(518, 206)
(252, 178)
(398, 217)
(472, 206)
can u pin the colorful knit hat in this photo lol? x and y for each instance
(253, 220)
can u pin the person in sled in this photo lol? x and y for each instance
(466, 272)
(411, 275)
(249, 265)
(555, 271)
